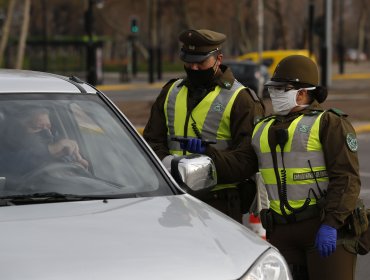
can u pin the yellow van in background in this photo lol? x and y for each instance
(271, 58)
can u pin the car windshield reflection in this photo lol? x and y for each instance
(71, 145)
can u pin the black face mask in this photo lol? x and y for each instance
(200, 78)
(45, 135)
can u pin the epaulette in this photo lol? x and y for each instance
(253, 94)
(170, 82)
(313, 112)
(265, 119)
(338, 112)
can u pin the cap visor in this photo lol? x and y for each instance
(274, 83)
(193, 58)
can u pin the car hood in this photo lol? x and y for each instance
(176, 237)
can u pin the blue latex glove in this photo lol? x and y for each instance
(193, 145)
(326, 240)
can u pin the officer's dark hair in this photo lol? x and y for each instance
(319, 94)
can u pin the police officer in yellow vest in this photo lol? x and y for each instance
(308, 160)
(212, 114)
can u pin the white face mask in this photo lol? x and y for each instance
(283, 102)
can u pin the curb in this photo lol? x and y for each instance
(362, 128)
(118, 87)
(351, 76)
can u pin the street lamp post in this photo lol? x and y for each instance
(340, 44)
(91, 59)
(45, 35)
(90, 52)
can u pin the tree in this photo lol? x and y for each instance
(6, 29)
(244, 44)
(24, 33)
(361, 28)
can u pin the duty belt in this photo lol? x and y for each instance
(311, 212)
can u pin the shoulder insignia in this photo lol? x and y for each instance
(351, 141)
(338, 112)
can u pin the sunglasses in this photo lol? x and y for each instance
(281, 88)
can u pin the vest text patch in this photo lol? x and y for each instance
(309, 175)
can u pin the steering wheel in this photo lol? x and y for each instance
(58, 168)
(51, 171)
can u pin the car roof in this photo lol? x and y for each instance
(26, 81)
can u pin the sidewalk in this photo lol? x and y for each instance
(356, 77)
(352, 86)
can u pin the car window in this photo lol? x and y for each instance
(242, 70)
(267, 62)
(71, 144)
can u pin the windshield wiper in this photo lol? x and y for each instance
(56, 197)
(38, 197)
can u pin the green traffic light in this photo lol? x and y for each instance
(134, 26)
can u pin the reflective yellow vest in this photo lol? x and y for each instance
(303, 159)
(211, 116)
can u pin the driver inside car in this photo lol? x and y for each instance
(32, 144)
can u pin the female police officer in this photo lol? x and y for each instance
(308, 160)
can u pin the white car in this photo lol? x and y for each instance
(84, 197)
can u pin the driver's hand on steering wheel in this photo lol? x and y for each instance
(67, 147)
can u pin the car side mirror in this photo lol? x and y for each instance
(195, 173)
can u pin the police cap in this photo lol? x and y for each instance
(301, 72)
(199, 44)
(295, 69)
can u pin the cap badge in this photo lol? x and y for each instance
(191, 47)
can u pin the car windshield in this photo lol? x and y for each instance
(71, 144)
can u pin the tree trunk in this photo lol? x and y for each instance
(6, 30)
(361, 30)
(24, 33)
(244, 44)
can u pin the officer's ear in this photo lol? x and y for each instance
(219, 58)
(303, 97)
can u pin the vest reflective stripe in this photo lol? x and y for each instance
(169, 106)
(303, 145)
(266, 159)
(218, 119)
(212, 116)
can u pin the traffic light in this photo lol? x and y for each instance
(134, 25)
